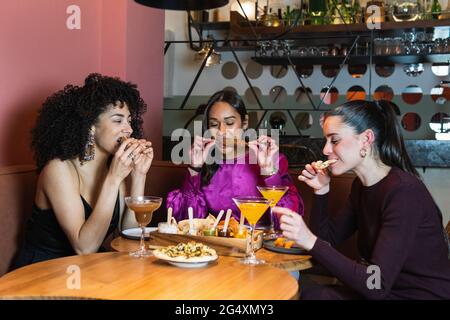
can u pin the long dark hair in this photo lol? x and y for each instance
(380, 116)
(234, 100)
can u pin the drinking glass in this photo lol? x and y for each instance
(252, 208)
(143, 208)
(405, 10)
(378, 46)
(273, 194)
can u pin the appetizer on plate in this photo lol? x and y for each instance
(283, 243)
(187, 252)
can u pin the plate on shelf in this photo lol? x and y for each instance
(135, 233)
(270, 245)
(182, 262)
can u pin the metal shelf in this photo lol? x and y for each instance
(240, 26)
(238, 23)
(399, 59)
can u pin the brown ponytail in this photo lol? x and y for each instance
(381, 117)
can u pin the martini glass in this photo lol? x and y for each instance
(143, 208)
(273, 194)
(252, 208)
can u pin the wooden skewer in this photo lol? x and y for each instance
(241, 223)
(218, 219)
(227, 220)
(191, 221)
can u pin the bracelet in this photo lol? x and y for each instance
(196, 169)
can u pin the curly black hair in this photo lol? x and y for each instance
(64, 121)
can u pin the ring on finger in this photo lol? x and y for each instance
(131, 156)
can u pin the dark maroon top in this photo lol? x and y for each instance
(399, 230)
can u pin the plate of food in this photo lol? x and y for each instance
(283, 245)
(187, 255)
(135, 233)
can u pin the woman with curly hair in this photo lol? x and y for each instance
(85, 142)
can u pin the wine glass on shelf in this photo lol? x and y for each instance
(252, 208)
(273, 194)
(143, 208)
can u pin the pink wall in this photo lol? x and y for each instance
(39, 55)
(147, 46)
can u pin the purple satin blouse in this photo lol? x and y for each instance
(232, 180)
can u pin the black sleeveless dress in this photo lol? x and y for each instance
(45, 239)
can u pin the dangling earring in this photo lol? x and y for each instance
(363, 153)
(89, 149)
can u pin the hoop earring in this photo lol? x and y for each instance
(89, 149)
(363, 153)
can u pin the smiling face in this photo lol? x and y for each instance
(112, 125)
(225, 122)
(343, 144)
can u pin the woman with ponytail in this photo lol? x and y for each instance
(403, 253)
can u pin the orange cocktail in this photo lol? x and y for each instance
(144, 211)
(273, 194)
(252, 208)
(143, 208)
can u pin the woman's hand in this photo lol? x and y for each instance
(143, 161)
(122, 162)
(266, 151)
(200, 150)
(319, 180)
(294, 228)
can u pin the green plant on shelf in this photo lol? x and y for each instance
(436, 9)
(293, 18)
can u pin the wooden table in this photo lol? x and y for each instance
(116, 275)
(286, 262)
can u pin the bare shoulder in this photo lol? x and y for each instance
(58, 179)
(57, 171)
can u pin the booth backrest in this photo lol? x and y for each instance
(162, 178)
(17, 188)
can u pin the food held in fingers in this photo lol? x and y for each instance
(234, 142)
(321, 165)
(122, 139)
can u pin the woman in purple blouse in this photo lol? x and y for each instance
(402, 247)
(209, 186)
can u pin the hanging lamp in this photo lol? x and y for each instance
(183, 4)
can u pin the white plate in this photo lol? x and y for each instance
(182, 262)
(135, 233)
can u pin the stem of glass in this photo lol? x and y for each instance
(142, 238)
(252, 247)
(272, 224)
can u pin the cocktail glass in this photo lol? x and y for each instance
(252, 208)
(143, 208)
(273, 194)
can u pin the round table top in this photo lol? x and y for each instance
(288, 262)
(116, 275)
